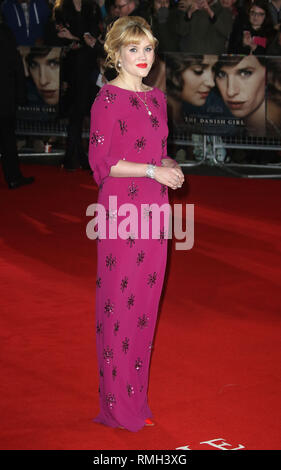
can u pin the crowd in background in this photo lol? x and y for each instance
(197, 26)
(79, 27)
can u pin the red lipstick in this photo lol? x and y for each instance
(142, 66)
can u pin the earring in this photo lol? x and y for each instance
(119, 64)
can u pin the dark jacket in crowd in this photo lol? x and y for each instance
(164, 26)
(12, 80)
(275, 47)
(13, 14)
(141, 10)
(203, 35)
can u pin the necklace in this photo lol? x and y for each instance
(143, 101)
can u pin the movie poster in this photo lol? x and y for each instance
(224, 95)
(42, 74)
(273, 102)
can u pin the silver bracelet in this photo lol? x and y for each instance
(150, 171)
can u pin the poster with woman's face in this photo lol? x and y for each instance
(223, 95)
(42, 73)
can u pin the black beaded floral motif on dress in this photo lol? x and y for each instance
(163, 145)
(140, 144)
(163, 190)
(125, 345)
(123, 126)
(111, 215)
(154, 122)
(154, 100)
(110, 400)
(109, 98)
(124, 283)
(99, 328)
(131, 241)
(140, 258)
(132, 190)
(134, 102)
(114, 372)
(152, 279)
(110, 261)
(130, 390)
(130, 301)
(108, 355)
(162, 235)
(98, 282)
(108, 308)
(116, 327)
(138, 364)
(143, 321)
(147, 212)
(97, 138)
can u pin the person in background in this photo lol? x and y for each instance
(275, 47)
(131, 8)
(190, 79)
(163, 22)
(26, 19)
(232, 5)
(255, 34)
(12, 93)
(241, 81)
(101, 4)
(77, 22)
(44, 69)
(205, 26)
(112, 11)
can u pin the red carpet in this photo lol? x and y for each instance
(215, 371)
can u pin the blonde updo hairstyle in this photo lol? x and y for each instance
(126, 30)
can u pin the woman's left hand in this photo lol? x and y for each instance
(169, 163)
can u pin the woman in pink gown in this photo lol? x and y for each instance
(127, 153)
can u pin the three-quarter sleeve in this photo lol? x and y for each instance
(103, 154)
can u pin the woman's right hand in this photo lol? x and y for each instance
(171, 177)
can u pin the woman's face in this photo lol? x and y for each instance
(242, 86)
(256, 16)
(136, 59)
(198, 81)
(45, 72)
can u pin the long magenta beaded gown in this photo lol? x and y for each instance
(130, 269)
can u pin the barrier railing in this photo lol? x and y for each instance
(208, 147)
